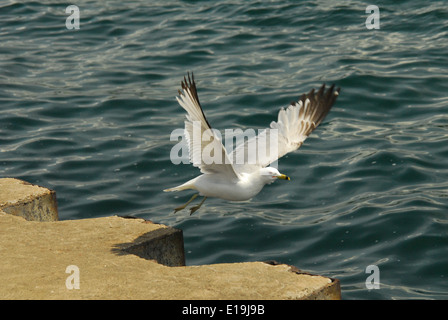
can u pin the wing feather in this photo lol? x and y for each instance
(294, 124)
(206, 150)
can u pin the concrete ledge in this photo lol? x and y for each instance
(23, 199)
(164, 245)
(121, 258)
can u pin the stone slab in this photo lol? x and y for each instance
(122, 258)
(34, 258)
(24, 199)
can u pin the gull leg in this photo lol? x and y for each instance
(188, 202)
(195, 208)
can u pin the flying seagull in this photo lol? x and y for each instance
(240, 181)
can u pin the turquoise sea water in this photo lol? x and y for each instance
(89, 113)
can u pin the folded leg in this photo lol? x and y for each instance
(195, 208)
(188, 202)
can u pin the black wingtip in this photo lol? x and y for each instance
(189, 83)
(321, 102)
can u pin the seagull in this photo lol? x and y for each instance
(239, 181)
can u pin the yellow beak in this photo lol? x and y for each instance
(284, 177)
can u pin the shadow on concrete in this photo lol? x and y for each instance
(164, 245)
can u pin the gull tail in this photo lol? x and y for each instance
(178, 188)
(185, 186)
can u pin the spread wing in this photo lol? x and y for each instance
(205, 147)
(294, 125)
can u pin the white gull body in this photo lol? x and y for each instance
(229, 180)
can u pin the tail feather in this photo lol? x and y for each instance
(185, 186)
(173, 189)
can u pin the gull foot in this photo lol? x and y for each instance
(185, 205)
(195, 208)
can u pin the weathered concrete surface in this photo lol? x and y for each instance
(23, 199)
(34, 257)
(112, 255)
(164, 245)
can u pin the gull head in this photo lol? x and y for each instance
(270, 174)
